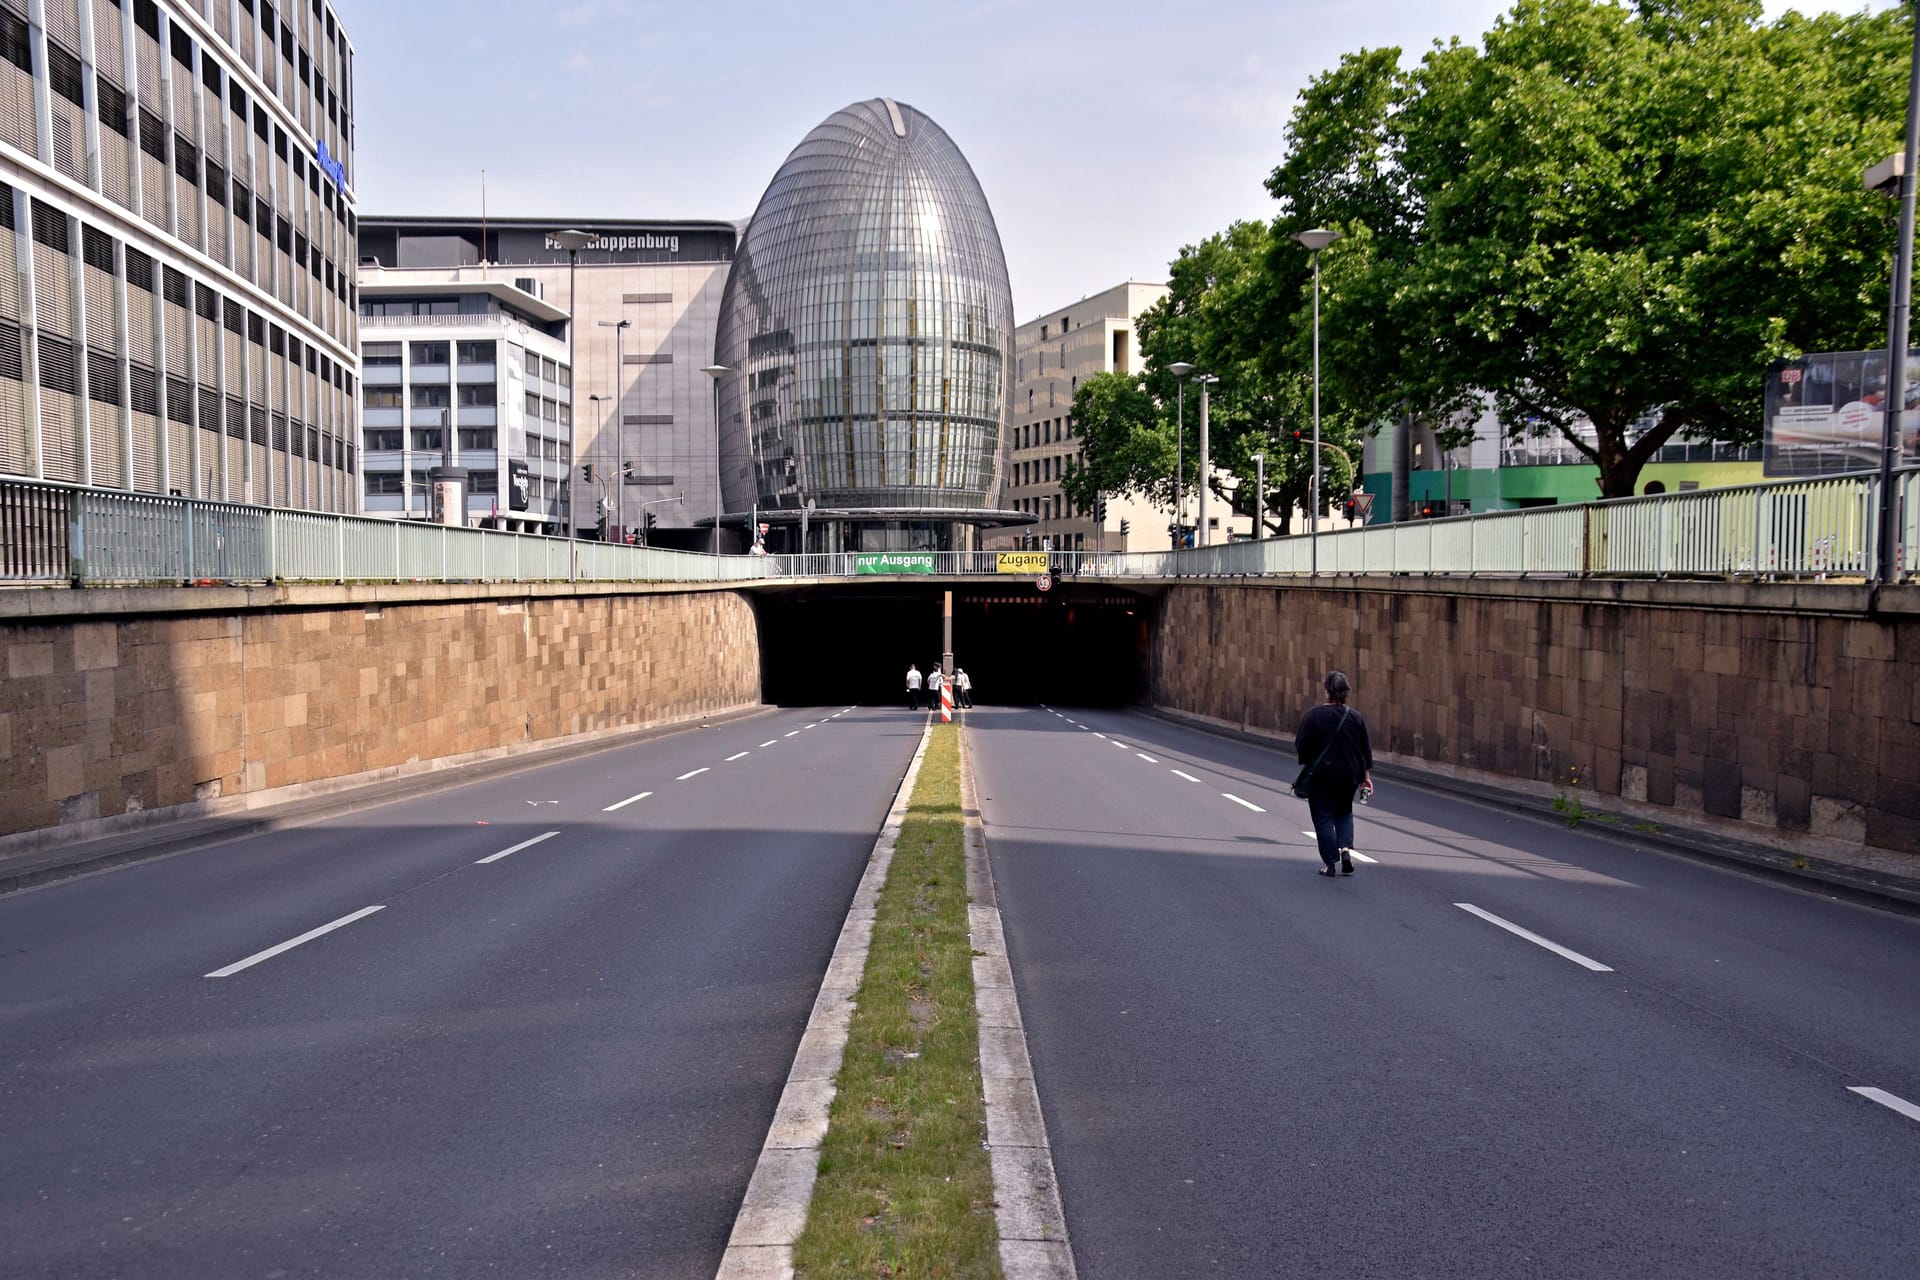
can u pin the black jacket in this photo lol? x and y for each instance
(1347, 760)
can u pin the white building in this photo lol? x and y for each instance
(485, 360)
(1051, 356)
(178, 184)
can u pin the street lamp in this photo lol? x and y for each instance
(618, 397)
(1259, 496)
(1887, 563)
(1179, 369)
(573, 242)
(714, 371)
(1315, 240)
(598, 400)
(1201, 537)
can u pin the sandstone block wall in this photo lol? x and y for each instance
(1788, 713)
(103, 716)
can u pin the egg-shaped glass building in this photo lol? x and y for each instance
(864, 341)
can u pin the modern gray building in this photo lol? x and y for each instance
(866, 332)
(179, 315)
(623, 394)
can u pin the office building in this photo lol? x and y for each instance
(622, 393)
(867, 332)
(178, 181)
(470, 375)
(1052, 355)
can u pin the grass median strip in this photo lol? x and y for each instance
(905, 1186)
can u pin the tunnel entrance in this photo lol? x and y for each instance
(1076, 645)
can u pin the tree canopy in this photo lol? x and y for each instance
(1613, 214)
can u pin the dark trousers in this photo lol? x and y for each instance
(1333, 830)
(913, 699)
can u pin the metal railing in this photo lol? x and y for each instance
(60, 533)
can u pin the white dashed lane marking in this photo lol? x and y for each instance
(769, 742)
(794, 734)
(1247, 804)
(1534, 938)
(291, 943)
(693, 773)
(621, 804)
(1892, 1102)
(1179, 773)
(1357, 855)
(1144, 756)
(735, 756)
(524, 844)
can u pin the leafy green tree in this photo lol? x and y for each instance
(1612, 214)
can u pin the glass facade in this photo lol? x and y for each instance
(867, 329)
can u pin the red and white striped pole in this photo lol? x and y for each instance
(946, 702)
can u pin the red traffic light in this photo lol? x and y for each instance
(1426, 512)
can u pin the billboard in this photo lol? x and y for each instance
(1826, 411)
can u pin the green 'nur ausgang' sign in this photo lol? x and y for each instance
(894, 562)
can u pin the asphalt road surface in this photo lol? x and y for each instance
(544, 1036)
(1250, 1070)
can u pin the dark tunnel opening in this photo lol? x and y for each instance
(1075, 645)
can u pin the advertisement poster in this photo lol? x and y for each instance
(1825, 414)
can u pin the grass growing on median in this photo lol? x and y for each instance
(905, 1186)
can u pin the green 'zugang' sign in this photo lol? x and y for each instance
(894, 562)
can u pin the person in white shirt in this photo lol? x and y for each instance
(934, 681)
(913, 687)
(962, 687)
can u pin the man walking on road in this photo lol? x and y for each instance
(913, 687)
(1337, 761)
(934, 681)
(962, 687)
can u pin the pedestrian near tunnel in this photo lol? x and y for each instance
(913, 687)
(963, 687)
(1337, 758)
(934, 681)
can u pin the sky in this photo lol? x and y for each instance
(1106, 133)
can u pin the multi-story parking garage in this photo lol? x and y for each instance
(177, 182)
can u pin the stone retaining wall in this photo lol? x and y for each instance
(216, 699)
(1791, 714)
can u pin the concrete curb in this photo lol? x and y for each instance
(1026, 1195)
(56, 854)
(773, 1213)
(1870, 886)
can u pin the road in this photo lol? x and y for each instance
(545, 1036)
(1250, 1070)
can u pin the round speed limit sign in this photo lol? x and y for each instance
(1045, 582)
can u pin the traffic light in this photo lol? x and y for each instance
(1296, 438)
(586, 472)
(1426, 511)
(649, 522)
(1100, 510)
(1353, 509)
(626, 472)
(1126, 526)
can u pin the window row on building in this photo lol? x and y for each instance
(121, 370)
(236, 149)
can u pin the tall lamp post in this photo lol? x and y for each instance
(1887, 566)
(599, 400)
(715, 371)
(1202, 535)
(573, 242)
(1259, 496)
(1179, 369)
(619, 413)
(1316, 239)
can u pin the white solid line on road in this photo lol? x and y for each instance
(769, 742)
(1144, 756)
(624, 803)
(1245, 803)
(794, 734)
(1534, 938)
(524, 844)
(1892, 1102)
(693, 773)
(291, 943)
(1189, 777)
(735, 756)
